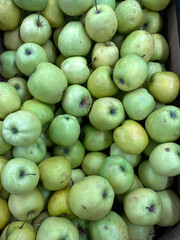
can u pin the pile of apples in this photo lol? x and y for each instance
(88, 126)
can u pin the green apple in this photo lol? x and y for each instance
(101, 23)
(28, 56)
(151, 179)
(161, 48)
(83, 228)
(91, 198)
(55, 35)
(45, 193)
(105, 54)
(10, 15)
(59, 60)
(4, 194)
(51, 51)
(171, 208)
(152, 21)
(21, 128)
(20, 176)
(31, 5)
(57, 228)
(27, 206)
(92, 162)
(19, 230)
(39, 219)
(3, 162)
(64, 130)
(35, 29)
(150, 147)
(129, 16)
(138, 42)
(164, 159)
(20, 84)
(118, 39)
(55, 173)
(133, 159)
(164, 86)
(155, 5)
(73, 40)
(138, 104)
(112, 226)
(94, 139)
(53, 13)
(106, 113)
(4, 213)
(74, 8)
(101, 84)
(74, 153)
(76, 175)
(76, 100)
(130, 72)
(45, 136)
(45, 75)
(75, 70)
(163, 124)
(12, 39)
(131, 137)
(8, 65)
(35, 152)
(143, 207)
(119, 173)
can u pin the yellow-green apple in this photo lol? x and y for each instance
(12, 39)
(21, 128)
(4, 213)
(130, 72)
(83, 228)
(3, 161)
(155, 5)
(50, 50)
(138, 104)
(101, 23)
(91, 198)
(39, 219)
(143, 206)
(4, 146)
(76, 175)
(31, 5)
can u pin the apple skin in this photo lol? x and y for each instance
(21, 128)
(164, 159)
(4, 146)
(39, 219)
(112, 226)
(12, 39)
(156, 5)
(4, 213)
(50, 50)
(76, 175)
(163, 125)
(143, 207)
(31, 5)
(83, 205)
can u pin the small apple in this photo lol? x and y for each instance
(12, 39)
(4, 213)
(118, 39)
(4, 146)
(77, 174)
(4, 194)
(150, 147)
(50, 50)
(3, 161)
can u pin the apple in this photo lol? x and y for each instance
(163, 125)
(39, 219)
(101, 84)
(94, 139)
(4, 146)
(154, 5)
(28, 56)
(118, 39)
(105, 54)
(143, 207)
(75, 70)
(57, 228)
(138, 104)
(27, 206)
(101, 23)
(31, 5)
(45, 75)
(76, 175)
(20, 176)
(131, 137)
(150, 147)
(50, 50)
(3, 161)
(55, 35)
(76, 100)
(73, 40)
(45, 193)
(129, 16)
(91, 198)
(83, 228)
(4, 213)
(12, 39)
(138, 42)
(21, 128)
(4, 194)
(55, 173)
(74, 153)
(130, 72)
(35, 29)
(59, 60)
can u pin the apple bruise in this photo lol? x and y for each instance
(151, 208)
(85, 102)
(121, 81)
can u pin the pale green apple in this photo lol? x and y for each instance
(4, 146)
(111, 3)
(112, 226)
(101, 84)
(45, 75)
(76, 175)
(106, 113)
(163, 124)
(143, 206)
(138, 104)
(50, 50)
(73, 40)
(21, 128)
(83, 228)
(94, 139)
(12, 39)
(92, 198)
(155, 5)
(92, 162)
(31, 5)
(130, 72)
(101, 23)
(129, 16)
(138, 42)
(75, 70)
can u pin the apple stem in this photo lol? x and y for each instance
(25, 220)
(107, 43)
(94, 59)
(143, 56)
(38, 22)
(27, 174)
(7, 231)
(96, 7)
(72, 181)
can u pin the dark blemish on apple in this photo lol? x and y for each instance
(167, 149)
(151, 208)
(121, 81)
(164, 120)
(31, 152)
(173, 115)
(85, 103)
(106, 227)
(112, 111)
(16, 87)
(66, 150)
(28, 52)
(14, 130)
(135, 197)
(104, 195)
(122, 168)
(80, 229)
(67, 118)
(83, 207)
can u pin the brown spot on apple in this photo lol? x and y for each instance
(106, 227)
(167, 149)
